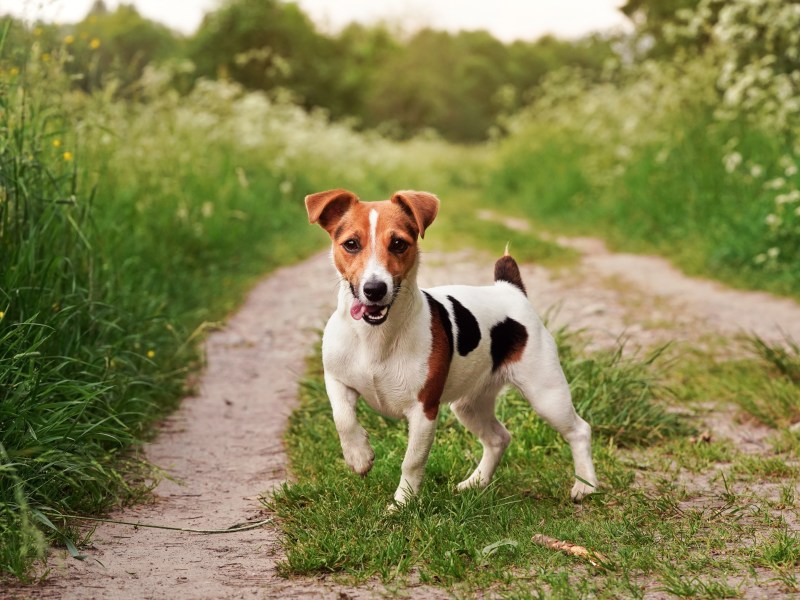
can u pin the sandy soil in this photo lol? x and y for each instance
(224, 445)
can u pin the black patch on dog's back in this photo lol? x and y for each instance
(506, 269)
(469, 333)
(509, 338)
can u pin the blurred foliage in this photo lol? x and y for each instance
(116, 45)
(265, 44)
(457, 85)
(693, 153)
(654, 20)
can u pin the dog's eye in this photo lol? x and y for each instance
(398, 246)
(352, 246)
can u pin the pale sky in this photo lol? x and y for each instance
(506, 19)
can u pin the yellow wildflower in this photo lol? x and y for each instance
(69, 39)
(56, 143)
(46, 57)
(151, 353)
(67, 156)
(94, 44)
(14, 71)
(2, 314)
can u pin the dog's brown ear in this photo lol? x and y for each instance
(327, 208)
(423, 206)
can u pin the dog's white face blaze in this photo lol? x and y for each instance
(375, 271)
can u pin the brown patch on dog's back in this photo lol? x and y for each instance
(506, 269)
(509, 338)
(439, 360)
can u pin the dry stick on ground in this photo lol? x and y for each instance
(595, 558)
(236, 528)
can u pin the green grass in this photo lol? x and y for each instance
(459, 225)
(763, 380)
(676, 513)
(335, 522)
(104, 289)
(670, 195)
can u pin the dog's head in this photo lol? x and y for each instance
(374, 243)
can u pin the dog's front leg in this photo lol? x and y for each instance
(421, 431)
(358, 454)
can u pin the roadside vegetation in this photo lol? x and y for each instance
(148, 179)
(680, 510)
(127, 230)
(692, 151)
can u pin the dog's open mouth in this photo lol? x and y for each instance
(371, 313)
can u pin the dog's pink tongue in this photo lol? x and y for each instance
(357, 310)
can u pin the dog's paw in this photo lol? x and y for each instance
(580, 490)
(474, 481)
(360, 459)
(393, 508)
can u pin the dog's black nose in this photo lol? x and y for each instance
(374, 290)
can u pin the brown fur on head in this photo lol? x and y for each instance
(399, 222)
(423, 206)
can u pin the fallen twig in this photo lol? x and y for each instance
(232, 529)
(595, 558)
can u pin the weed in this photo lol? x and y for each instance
(781, 554)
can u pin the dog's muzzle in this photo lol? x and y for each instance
(374, 314)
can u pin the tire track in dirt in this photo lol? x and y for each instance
(224, 446)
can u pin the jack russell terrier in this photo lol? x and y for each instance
(407, 351)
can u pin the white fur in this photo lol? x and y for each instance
(388, 365)
(374, 270)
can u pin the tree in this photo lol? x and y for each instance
(653, 18)
(361, 53)
(117, 44)
(264, 44)
(441, 81)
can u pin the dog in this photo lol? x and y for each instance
(407, 351)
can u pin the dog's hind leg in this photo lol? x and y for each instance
(543, 384)
(477, 415)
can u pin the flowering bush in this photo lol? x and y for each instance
(697, 155)
(757, 47)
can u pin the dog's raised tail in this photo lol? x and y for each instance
(506, 269)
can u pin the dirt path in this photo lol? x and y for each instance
(225, 444)
(225, 447)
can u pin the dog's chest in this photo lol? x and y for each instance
(389, 383)
(389, 386)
